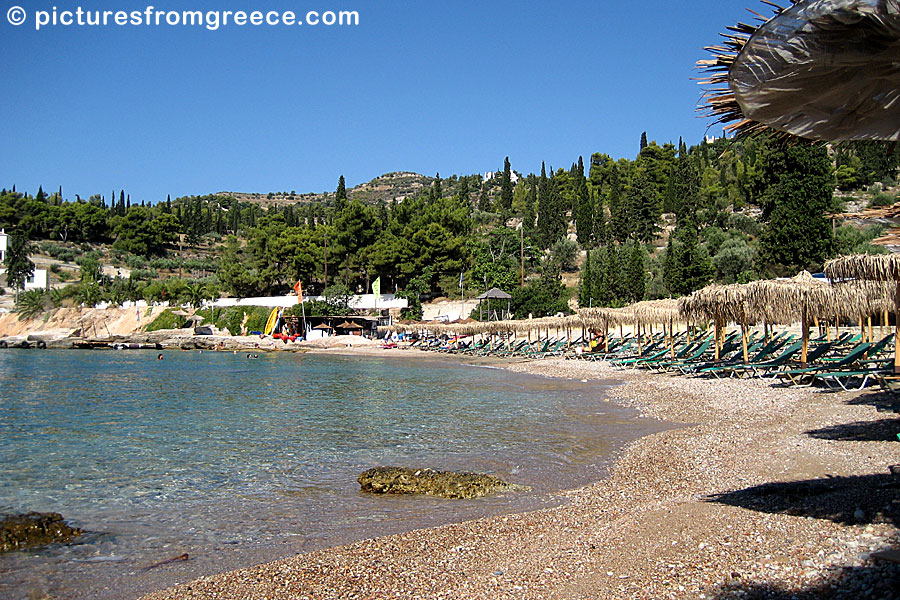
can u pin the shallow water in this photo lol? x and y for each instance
(236, 461)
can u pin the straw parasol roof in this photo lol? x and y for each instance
(348, 325)
(656, 311)
(820, 69)
(718, 303)
(872, 267)
(495, 294)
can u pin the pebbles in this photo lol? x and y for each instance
(683, 514)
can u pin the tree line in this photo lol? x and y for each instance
(667, 222)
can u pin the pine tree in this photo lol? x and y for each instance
(18, 266)
(437, 189)
(506, 188)
(41, 196)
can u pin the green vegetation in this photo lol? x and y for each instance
(671, 220)
(166, 320)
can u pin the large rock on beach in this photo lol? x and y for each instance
(447, 484)
(20, 532)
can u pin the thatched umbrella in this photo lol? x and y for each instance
(720, 304)
(781, 298)
(820, 69)
(664, 312)
(872, 267)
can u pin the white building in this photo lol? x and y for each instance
(38, 281)
(513, 176)
(3, 241)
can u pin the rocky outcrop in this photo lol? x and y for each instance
(20, 532)
(447, 484)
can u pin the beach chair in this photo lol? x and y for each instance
(796, 377)
(759, 367)
(835, 379)
(762, 354)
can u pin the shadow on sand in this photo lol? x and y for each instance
(846, 500)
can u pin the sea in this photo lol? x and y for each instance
(236, 460)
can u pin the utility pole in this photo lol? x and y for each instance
(326, 256)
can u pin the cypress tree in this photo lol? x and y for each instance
(635, 276)
(687, 266)
(544, 209)
(464, 190)
(529, 214)
(798, 190)
(340, 195)
(600, 234)
(643, 140)
(484, 199)
(506, 188)
(584, 214)
(587, 290)
(437, 189)
(642, 209)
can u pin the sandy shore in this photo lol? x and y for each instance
(771, 493)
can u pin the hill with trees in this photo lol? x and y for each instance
(671, 220)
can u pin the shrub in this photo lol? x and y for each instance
(32, 303)
(881, 199)
(166, 320)
(133, 261)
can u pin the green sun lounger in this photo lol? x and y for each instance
(797, 376)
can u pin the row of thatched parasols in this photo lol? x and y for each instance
(865, 285)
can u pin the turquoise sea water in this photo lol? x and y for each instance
(236, 461)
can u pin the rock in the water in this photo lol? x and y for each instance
(447, 484)
(20, 532)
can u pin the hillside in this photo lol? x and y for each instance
(386, 188)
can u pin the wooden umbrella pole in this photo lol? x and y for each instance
(717, 338)
(862, 330)
(640, 340)
(671, 340)
(744, 342)
(606, 336)
(805, 329)
(871, 333)
(897, 329)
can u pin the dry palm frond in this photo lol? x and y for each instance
(819, 69)
(872, 267)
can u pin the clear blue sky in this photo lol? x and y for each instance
(449, 87)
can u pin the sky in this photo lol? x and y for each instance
(440, 86)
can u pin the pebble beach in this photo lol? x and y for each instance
(762, 492)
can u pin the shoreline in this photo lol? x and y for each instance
(679, 515)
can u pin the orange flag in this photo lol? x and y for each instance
(298, 287)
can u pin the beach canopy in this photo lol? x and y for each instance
(820, 69)
(495, 294)
(348, 325)
(872, 267)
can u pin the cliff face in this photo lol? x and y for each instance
(91, 322)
